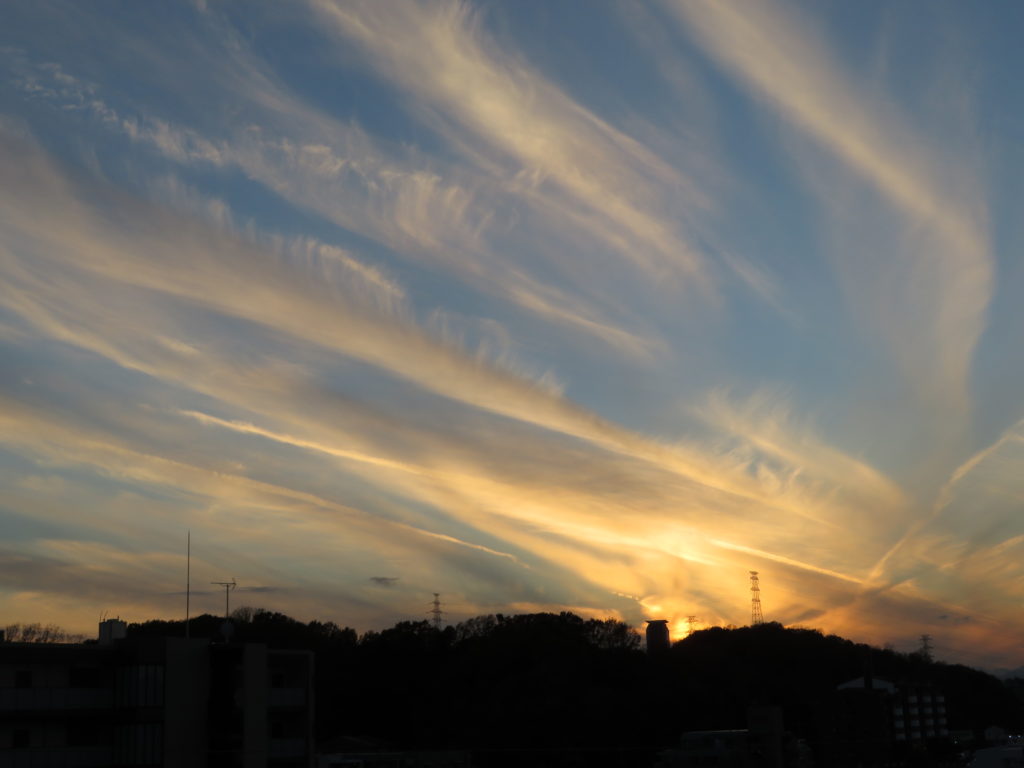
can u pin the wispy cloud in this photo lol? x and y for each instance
(613, 509)
(479, 94)
(394, 195)
(174, 258)
(930, 294)
(942, 543)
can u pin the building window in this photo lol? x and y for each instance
(140, 686)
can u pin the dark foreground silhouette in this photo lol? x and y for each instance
(547, 689)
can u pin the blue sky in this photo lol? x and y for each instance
(586, 306)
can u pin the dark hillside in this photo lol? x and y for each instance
(560, 684)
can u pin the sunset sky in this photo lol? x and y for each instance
(578, 305)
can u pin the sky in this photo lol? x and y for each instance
(585, 306)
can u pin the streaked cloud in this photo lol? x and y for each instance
(927, 293)
(337, 171)
(478, 93)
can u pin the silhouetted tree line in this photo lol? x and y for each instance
(40, 633)
(560, 684)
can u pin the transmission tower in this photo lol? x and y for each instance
(436, 611)
(926, 647)
(756, 617)
(691, 624)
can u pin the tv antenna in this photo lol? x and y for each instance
(228, 586)
(436, 611)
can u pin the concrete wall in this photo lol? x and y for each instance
(186, 693)
(255, 681)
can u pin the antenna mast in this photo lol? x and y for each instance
(188, 579)
(228, 586)
(436, 611)
(691, 623)
(755, 600)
